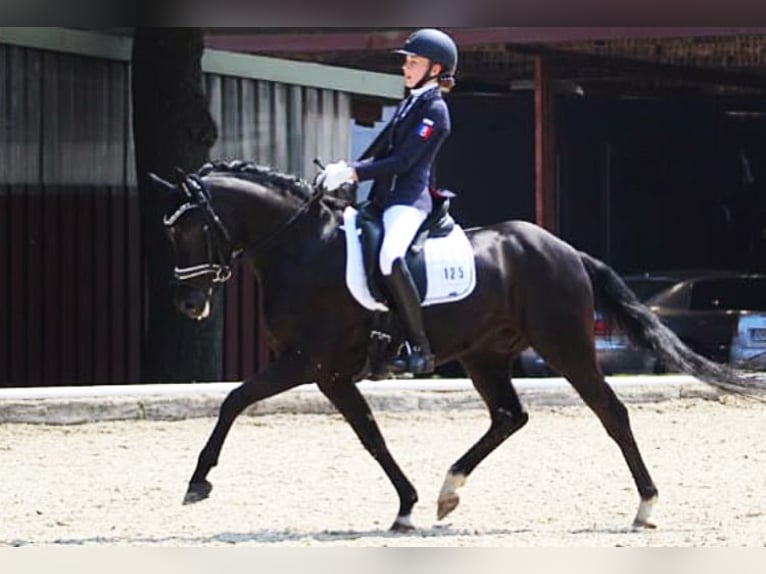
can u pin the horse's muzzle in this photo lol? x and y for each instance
(194, 303)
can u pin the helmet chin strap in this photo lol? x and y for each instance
(426, 77)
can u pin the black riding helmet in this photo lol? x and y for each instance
(435, 45)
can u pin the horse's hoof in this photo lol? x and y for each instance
(446, 504)
(402, 525)
(637, 524)
(197, 491)
(644, 512)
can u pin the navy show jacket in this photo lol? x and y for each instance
(401, 158)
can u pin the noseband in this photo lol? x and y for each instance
(198, 199)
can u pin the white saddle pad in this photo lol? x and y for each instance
(450, 267)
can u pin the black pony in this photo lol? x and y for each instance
(531, 289)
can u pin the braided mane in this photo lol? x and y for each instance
(264, 175)
(273, 179)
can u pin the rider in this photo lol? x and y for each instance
(400, 161)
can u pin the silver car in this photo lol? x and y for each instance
(702, 307)
(748, 345)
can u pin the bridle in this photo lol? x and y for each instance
(199, 198)
(219, 268)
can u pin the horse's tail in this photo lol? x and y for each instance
(644, 328)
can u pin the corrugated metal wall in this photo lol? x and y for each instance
(71, 278)
(70, 270)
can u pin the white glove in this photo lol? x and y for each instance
(335, 174)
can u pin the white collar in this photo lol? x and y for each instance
(417, 92)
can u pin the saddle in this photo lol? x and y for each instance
(386, 334)
(439, 223)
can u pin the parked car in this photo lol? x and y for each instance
(704, 310)
(703, 307)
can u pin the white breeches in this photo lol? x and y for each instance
(400, 224)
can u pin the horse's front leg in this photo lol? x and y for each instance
(344, 394)
(286, 372)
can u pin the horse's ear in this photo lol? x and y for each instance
(180, 175)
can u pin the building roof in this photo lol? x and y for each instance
(116, 44)
(628, 61)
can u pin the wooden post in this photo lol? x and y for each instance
(545, 146)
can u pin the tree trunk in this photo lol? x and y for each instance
(172, 128)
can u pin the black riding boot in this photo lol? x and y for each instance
(402, 288)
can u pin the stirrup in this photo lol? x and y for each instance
(412, 360)
(421, 363)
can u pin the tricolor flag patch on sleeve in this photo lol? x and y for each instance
(426, 128)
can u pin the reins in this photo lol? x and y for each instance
(286, 225)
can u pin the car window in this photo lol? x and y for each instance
(732, 294)
(646, 288)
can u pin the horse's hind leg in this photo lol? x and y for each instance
(282, 374)
(577, 362)
(490, 374)
(354, 408)
(600, 397)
